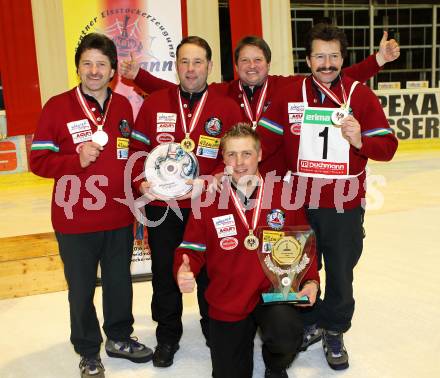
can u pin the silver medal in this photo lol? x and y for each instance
(100, 137)
(338, 115)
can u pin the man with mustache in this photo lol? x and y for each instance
(331, 125)
(82, 142)
(255, 88)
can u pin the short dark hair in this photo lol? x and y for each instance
(326, 32)
(253, 40)
(99, 42)
(241, 130)
(195, 40)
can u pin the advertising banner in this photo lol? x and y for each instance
(149, 30)
(412, 113)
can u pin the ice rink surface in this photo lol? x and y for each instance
(397, 291)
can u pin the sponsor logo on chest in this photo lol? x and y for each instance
(164, 138)
(82, 136)
(166, 122)
(295, 107)
(78, 126)
(228, 243)
(225, 225)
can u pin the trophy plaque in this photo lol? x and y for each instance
(168, 167)
(285, 258)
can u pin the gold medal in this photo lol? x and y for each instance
(251, 241)
(187, 144)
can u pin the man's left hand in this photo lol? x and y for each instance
(351, 130)
(388, 50)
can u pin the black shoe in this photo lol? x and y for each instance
(164, 354)
(269, 373)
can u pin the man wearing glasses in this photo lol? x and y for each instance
(331, 125)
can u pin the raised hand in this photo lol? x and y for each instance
(389, 50)
(129, 68)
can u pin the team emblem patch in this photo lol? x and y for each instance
(164, 138)
(213, 126)
(228, 243)
(124, 128)
(275, 219)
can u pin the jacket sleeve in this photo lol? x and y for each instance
(194, 245)
(270, 128)
(363, 70)
(48, 158)
(150, 83)
(140, 141)
(378, 140)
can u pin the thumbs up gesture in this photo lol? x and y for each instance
(185, 278)
(129, 68)
(389, 50)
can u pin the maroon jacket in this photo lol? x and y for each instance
(149, 132)
(236, 277)
(361, 72)
(379, 142)
(92, 191)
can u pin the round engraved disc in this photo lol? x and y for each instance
(338, 115)
(100, 137)
(251, 242)
(287, 251)
(188, 144)
(168, 167)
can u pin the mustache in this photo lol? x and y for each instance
(331, 68)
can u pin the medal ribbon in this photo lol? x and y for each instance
(88, 112)
(241, 210)
(196, 116)
(328, 92)
(260, 103)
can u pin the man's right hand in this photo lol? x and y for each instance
(88, 153)
(185, 278)
(145, 189)
(129, 68)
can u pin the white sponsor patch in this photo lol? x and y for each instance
(225, 225)
(295, 117)
(295, 107)
(82, 136)
(166, 127)
(166, 118)
(77, 126)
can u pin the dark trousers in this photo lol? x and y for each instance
(166, 305)
(232, 343)
(81, 254)
(339, 242)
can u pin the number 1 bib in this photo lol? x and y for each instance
(323, 151)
